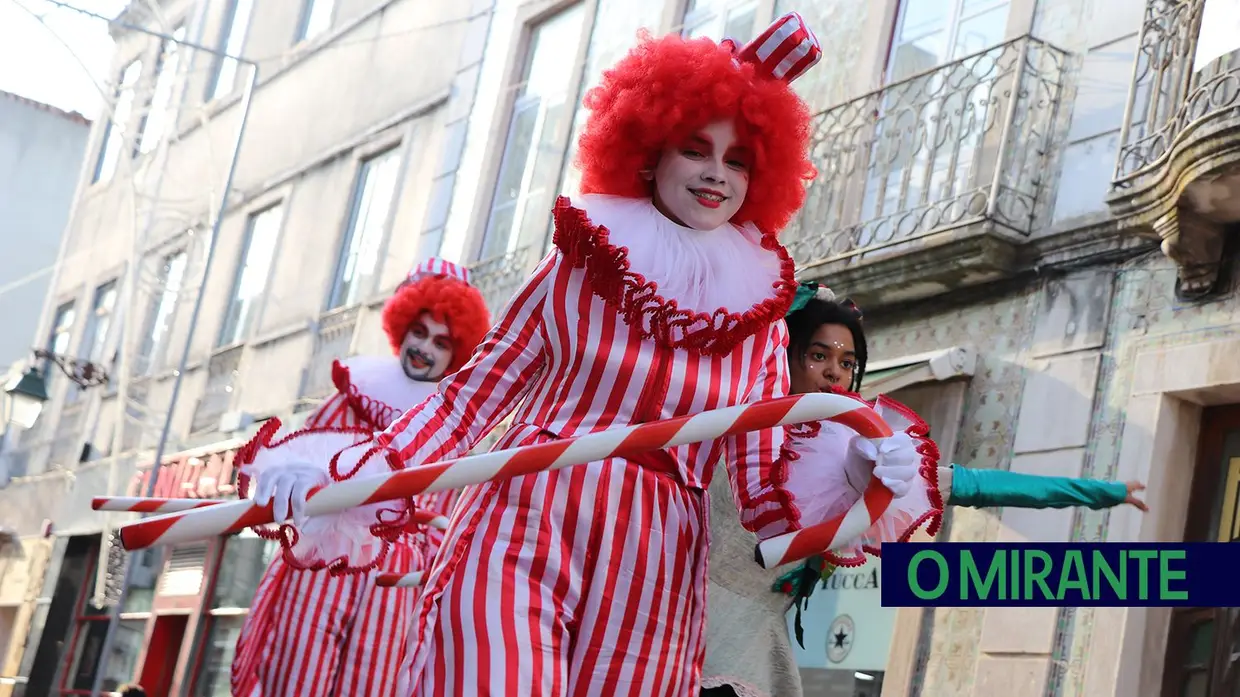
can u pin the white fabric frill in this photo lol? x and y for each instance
(830, 465)
(700, 270)
(345, 540)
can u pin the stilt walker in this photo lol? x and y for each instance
(319, 624)
(663, 296)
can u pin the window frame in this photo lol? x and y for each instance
(231, 331)
(954, 19)
(171, 51)
(693, 20)
(228, 44)
(338, 291)
(307, 14)
(155, 357)
(116, 128)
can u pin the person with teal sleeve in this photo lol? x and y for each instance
(748, 650)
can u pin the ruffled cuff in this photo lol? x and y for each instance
(830, 466)
(353, 541)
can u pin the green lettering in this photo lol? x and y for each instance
(1144, 556)
(1119, 584)
(973, 579)
(912, 574)
(1038, 577)
(1014, 586)
(1074, 566)
(1166, 575)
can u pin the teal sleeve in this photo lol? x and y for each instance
(981, 488)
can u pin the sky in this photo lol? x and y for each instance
(36, 63)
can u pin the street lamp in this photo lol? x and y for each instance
(27, 394)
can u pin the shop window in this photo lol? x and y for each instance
(241, 567)
(1202, 641)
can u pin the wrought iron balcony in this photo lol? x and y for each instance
(1180, 144)
(499, 277)
(333, 341)
(931, 182)
(222, 371)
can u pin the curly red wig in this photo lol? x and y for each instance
(456, 304)
(666, 89)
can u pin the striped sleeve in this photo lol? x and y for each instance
(467, 405)
(755, 466)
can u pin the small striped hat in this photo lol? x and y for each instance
(785, 50)
(436, 267)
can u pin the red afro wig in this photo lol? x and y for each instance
(449, 301)
(666, 89)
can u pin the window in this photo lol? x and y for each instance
(88, 636)
(358, 264)
(533, 150)
(720, 19)
(162, 109)
(114, 130)
(95, 336)
(930, 33)
(316, 18)
(232, 42)
(163, 306)
(242, 565)
(261, 232)
(58, 339)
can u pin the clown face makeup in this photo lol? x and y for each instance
(427, 349)
(828, 364)
(702, 182)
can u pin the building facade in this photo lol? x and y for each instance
(1030, 200)
(41, 151)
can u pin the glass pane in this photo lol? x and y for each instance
(372, 203)
(919, 17)
(226, 77)
(115, 136)
(217, 656)
(252, 277)
(981, 32)
(162, 309)
(917, 56)
(1103, 89)
(553, 51)
(241, 568)
(1201, 643)
(517, 151)
(319, 19)
(141, 596)
(739, 26)
(1197, 685)
(86, 650)
(161, 109)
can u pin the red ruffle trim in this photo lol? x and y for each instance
(390, 522)
(586, 245)
(378, 415)
(929, 471)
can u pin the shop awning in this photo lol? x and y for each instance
(885, 377)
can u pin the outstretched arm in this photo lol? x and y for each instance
(981, 488)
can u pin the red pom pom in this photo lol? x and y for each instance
(787, 587)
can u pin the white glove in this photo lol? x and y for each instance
(896, 460)
(286, 488)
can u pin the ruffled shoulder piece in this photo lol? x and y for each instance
(828, 470)
(377, 390)
(587, 246)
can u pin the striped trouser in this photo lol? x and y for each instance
(310, 634)
(586, 581)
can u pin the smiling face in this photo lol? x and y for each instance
(426, 351)
(828, 364)
(702, 182)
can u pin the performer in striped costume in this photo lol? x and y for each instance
(312, 632)
(662, 296)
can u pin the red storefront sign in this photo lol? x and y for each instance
(205, 476)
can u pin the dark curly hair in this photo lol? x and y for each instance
(804, 322)
(666, 89)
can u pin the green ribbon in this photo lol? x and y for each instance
(800, 583)
(805, 292)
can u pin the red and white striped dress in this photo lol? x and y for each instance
(310, 633)
(591, 580)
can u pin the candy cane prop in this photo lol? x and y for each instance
(135, 504)
(411, 580)
(816, 539)
(211, 521)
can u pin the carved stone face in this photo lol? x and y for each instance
(426, 350)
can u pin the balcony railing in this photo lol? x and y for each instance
(961, 144)
(499, 277)
(333, 341)
(1171, 96)
(222, 370)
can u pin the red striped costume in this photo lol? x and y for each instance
(311, 633)
(591, 580)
